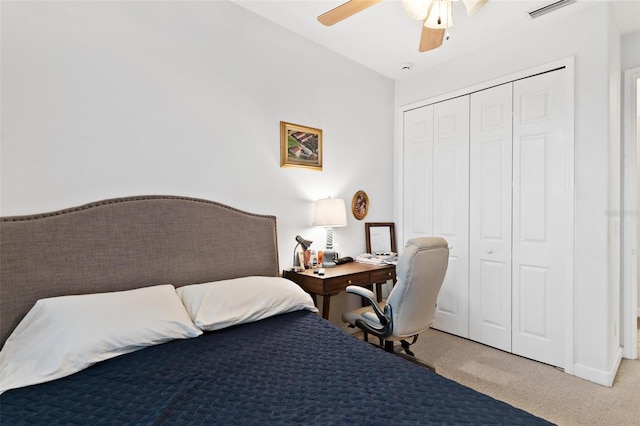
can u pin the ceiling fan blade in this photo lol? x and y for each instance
(430, 38)
(345, 10)
(473, 5)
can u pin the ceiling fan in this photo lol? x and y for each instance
(435, 15)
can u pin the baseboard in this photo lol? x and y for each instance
(600, 377)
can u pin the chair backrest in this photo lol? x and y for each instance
(421, 269)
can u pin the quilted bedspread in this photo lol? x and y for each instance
(294, 368)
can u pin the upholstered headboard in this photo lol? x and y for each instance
(126, 243)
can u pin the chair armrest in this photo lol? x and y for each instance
(360, 291)
(370, 297)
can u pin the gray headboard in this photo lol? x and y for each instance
(126, 243)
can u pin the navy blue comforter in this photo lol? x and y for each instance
(294, 368)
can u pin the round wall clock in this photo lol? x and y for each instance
(360, 205)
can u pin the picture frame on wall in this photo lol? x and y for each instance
(300, 146)
(360, 205)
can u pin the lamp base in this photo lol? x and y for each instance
(328, 259)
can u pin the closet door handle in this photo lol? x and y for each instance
(489, 251)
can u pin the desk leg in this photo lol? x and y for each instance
(379, 292)
(326, 301)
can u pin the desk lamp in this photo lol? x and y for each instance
(330, 212)
(305, 245)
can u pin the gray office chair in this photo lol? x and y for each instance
(410, 308)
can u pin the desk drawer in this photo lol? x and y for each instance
(383, 275)
(340, 283)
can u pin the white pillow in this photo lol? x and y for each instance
(62, 335)
(221, 304)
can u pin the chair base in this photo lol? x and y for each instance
(389, 347)
(388, 344)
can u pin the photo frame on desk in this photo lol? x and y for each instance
(380, 237)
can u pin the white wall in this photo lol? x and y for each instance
(108, 99)
(589, 45)
(630, 58)
(615, 178)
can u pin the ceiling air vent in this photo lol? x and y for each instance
(550, 8)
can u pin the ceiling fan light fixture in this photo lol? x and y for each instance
(440, 15)
(416, 9)
(473, 6)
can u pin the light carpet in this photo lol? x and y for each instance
(538, 388)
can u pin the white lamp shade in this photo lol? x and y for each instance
(440, 15)
(330, 212)
(417, 9)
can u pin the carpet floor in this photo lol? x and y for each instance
(538, 388)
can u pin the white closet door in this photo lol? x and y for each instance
(542, 218)
(418, 173)
(490, 219)
(451, 210)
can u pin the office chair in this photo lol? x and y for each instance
(410, 308)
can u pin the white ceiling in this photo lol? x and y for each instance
(384, 38)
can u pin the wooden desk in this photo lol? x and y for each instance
(337, 279)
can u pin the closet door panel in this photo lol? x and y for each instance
(490, 220)
(451, 210)
(418, 172)
(541, 217)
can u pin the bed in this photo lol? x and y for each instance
(244, 345)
